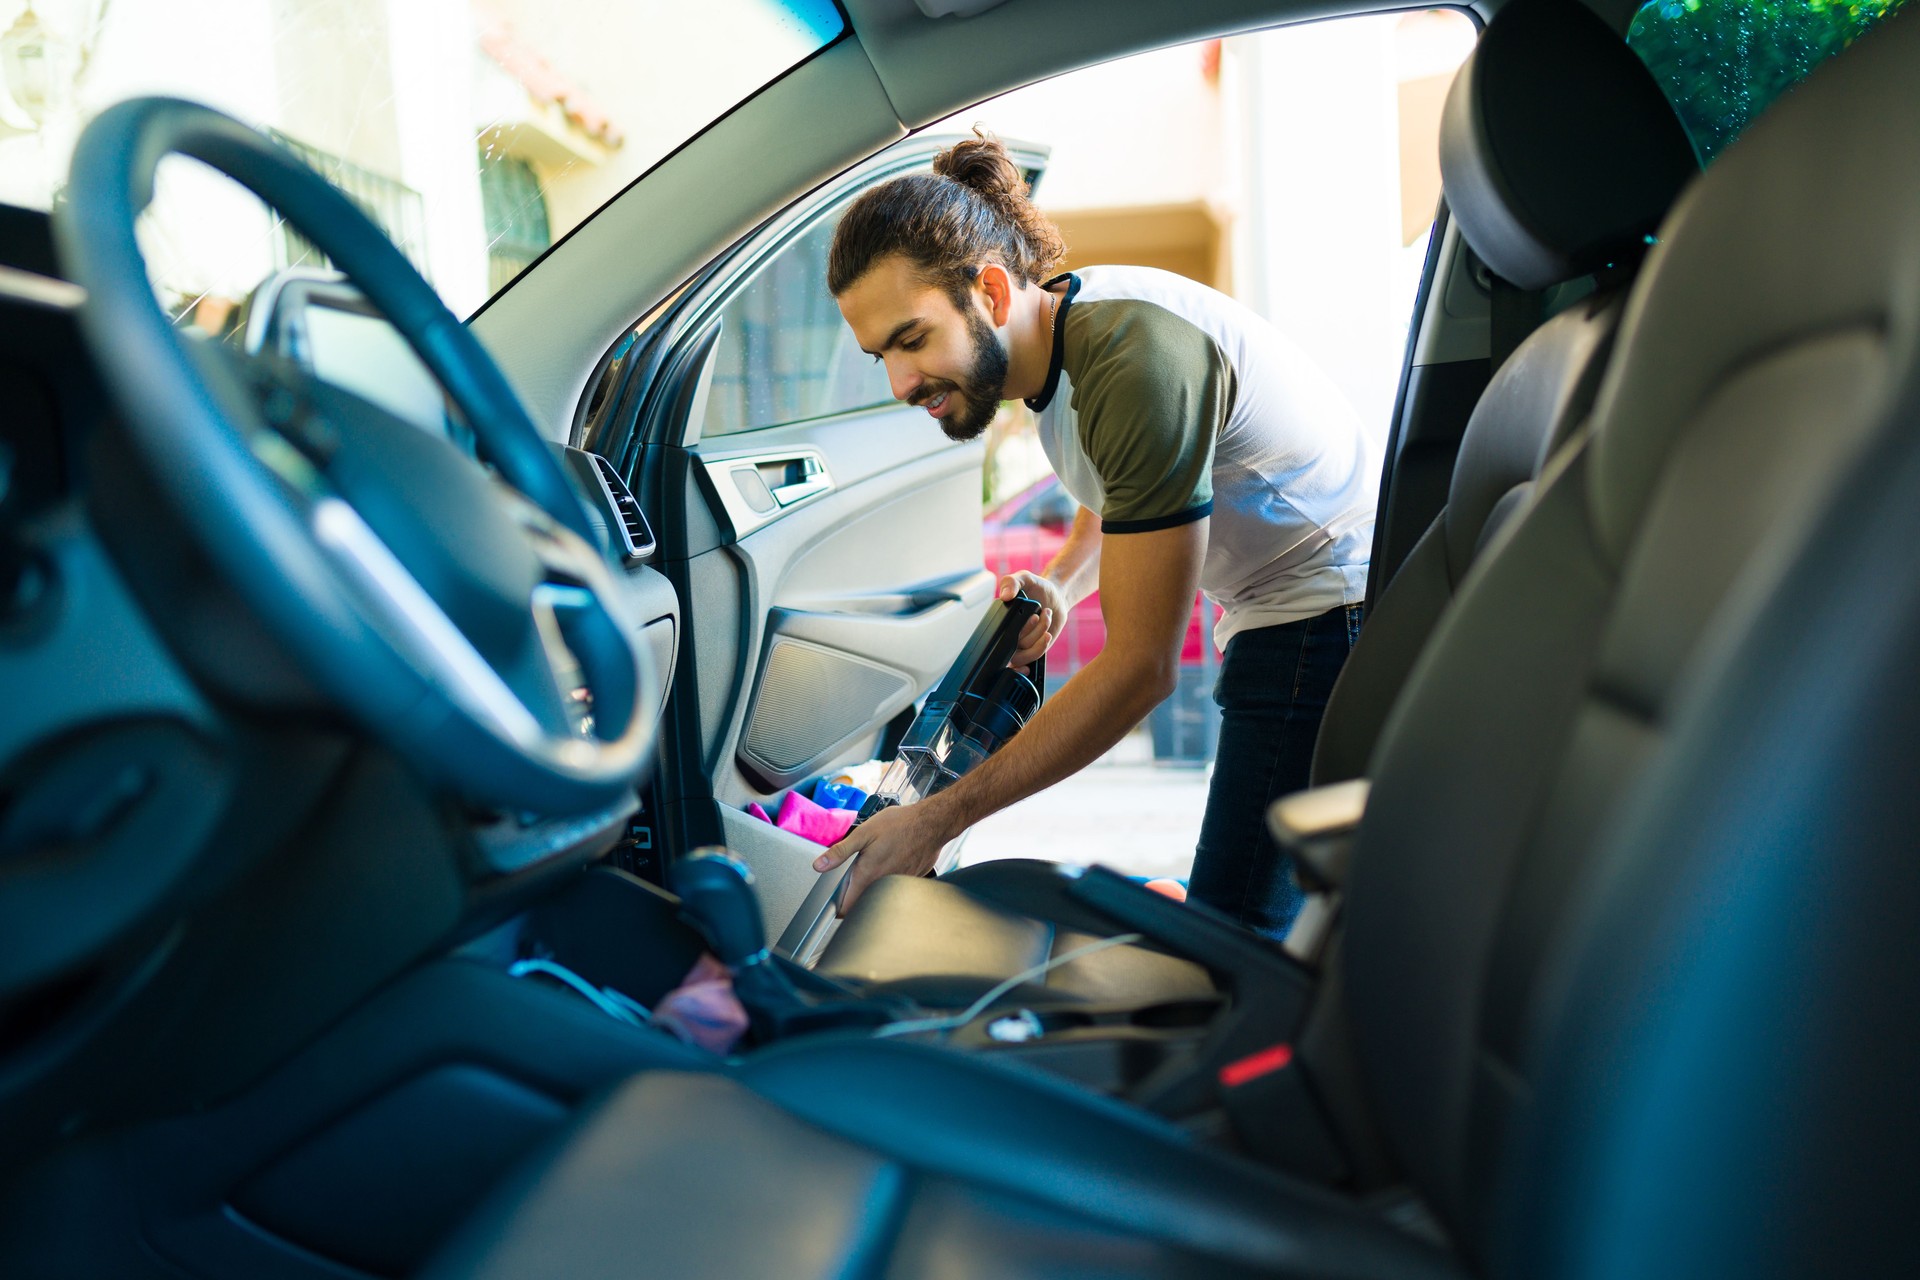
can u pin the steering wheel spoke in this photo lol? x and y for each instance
(415, 623)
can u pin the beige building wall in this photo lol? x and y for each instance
(656, 71)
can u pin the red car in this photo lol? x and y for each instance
(1025, 532)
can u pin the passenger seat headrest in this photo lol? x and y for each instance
(1558, 151)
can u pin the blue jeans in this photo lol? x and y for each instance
(1272, 692)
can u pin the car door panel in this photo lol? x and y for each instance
(815, 696)
(852, 604)
(862, 597)
(795, 899)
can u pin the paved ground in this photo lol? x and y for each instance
(1124, 811)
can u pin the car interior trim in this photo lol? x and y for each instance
(40, 291)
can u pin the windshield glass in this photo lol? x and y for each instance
(476, 132)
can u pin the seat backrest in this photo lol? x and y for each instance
(1728, 1034)
(1608, 133)
(1756, 358)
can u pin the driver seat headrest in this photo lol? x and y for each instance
(1558, 151)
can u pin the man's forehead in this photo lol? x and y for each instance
(887, 297)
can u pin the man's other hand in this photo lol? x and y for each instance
(902, 841)
(1044, 627)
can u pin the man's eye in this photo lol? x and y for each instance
(912, 344)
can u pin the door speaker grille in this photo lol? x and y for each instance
(810, 700)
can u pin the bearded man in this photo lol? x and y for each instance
(1206, 453)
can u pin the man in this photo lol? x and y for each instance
(1205, 452)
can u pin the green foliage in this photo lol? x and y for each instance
(1722, 62)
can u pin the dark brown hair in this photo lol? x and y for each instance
(971, 210)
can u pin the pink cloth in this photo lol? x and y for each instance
(703, 1010)
(759, 813)
(810, 821)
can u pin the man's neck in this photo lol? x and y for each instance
(1030, 345)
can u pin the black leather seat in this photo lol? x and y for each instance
(1537, 398)
(1539, 216)
(1628, 952)
(1556, 169)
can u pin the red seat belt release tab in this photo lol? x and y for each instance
(1259, 1063)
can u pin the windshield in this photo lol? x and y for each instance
(476, 132)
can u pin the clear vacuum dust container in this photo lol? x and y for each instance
(980, 704)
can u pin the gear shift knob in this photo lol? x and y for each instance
(716, 894)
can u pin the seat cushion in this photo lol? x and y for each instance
(871, 1158)
(945, 947)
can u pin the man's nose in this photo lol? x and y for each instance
(902, 380)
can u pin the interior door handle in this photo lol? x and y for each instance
(756, 488)
(812, 480)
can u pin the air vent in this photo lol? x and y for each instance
(633, 525)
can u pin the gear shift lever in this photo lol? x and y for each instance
(716, 892)
(717, 898)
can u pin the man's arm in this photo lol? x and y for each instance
(1147, 583)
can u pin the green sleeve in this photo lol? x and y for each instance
(1152, 392)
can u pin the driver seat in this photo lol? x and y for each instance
(1628, 954)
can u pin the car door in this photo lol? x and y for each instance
(825, 539)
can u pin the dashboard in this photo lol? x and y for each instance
(203, 859)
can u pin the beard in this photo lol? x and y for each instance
(983, 387)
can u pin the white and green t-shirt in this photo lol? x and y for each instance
(1169, 402)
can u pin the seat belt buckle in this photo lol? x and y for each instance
(1275, 1117)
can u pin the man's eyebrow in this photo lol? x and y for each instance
(899, 331)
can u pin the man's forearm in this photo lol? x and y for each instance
(1090, 713)
(1147, 583)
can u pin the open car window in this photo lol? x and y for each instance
(474, 132)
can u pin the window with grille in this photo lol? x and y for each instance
(516, 215)
(395, 208)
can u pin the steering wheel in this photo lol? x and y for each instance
(456, 615)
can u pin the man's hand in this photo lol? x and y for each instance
(903, 840)
(1044, 627)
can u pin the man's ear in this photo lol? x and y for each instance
(997, 286)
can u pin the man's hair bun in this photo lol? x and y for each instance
(982, 163)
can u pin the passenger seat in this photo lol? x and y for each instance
(1555, 170)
